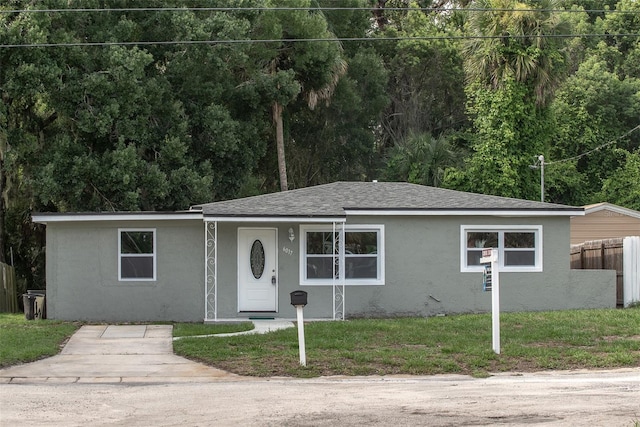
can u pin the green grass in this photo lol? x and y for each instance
(427, 346)
(23, 341)
(28, 340)
(420, 346)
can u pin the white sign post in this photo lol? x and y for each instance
(490, 255)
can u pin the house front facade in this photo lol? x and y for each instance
(359, 249)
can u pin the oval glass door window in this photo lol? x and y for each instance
(257, 259)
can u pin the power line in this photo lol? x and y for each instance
(606, 144)
(311, 9)
(336, 39)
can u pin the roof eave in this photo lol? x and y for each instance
(57, 217)
(274, 218)
(467, 212)
(611, 207)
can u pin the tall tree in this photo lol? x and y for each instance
(337, 139)
(594, 107)
(512, 40)
(426, 82)
(127, 127)
(315, 66)
(597, 109)
(514, 64)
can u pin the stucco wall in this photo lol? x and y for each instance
(422, 266)
(423, 275)
(82, 273)
(424, 278)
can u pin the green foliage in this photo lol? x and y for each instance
(622, 187)
(514, 70)
(420, 159)
(426, 79)
(524, 53)
(336, 141)
(594, 107)
(510, 133)
(166, 126)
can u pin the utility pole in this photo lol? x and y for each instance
(541, 158)
(535, 166)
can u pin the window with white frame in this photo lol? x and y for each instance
(136, 254)
(363, 255)
(519, 247)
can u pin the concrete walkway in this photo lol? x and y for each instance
(122, 354)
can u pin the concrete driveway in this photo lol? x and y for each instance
(115, 354)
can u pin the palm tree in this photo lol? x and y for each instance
(312, 96)
(314, 67)
(512, 40)
(421, 159)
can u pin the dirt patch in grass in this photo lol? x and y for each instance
(613, 338)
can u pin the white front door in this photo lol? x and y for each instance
(257, 269)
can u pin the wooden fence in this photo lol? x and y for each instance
(609, 254)
(8, 289)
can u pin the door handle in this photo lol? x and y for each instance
(273, 279)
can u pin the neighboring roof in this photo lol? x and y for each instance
(611, 207)
(339, 199)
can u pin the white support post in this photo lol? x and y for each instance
(338, 270)
(301, 344)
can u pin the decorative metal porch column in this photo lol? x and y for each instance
(211, 270)
(338, 273)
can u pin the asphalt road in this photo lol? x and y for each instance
(607, 398)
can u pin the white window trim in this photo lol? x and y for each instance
(379, 228)
(537, 229)
(120, 254)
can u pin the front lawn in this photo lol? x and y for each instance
(427, 346)
(589, 339)
(24, 340)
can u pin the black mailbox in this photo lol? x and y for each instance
(298, 298)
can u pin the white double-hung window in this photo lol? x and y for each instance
(136, 254)
(363, 255)
(519, 247)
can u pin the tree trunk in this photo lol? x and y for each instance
(282, 163)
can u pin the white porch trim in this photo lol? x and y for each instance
(274, 219)
(211, 270)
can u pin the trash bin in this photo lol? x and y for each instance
(39, 308)
(29, 300)
(34, 308)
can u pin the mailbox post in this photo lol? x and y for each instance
(299, 300)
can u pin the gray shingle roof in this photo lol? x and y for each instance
(332, 200)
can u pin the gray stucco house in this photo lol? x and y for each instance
(356, 248)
